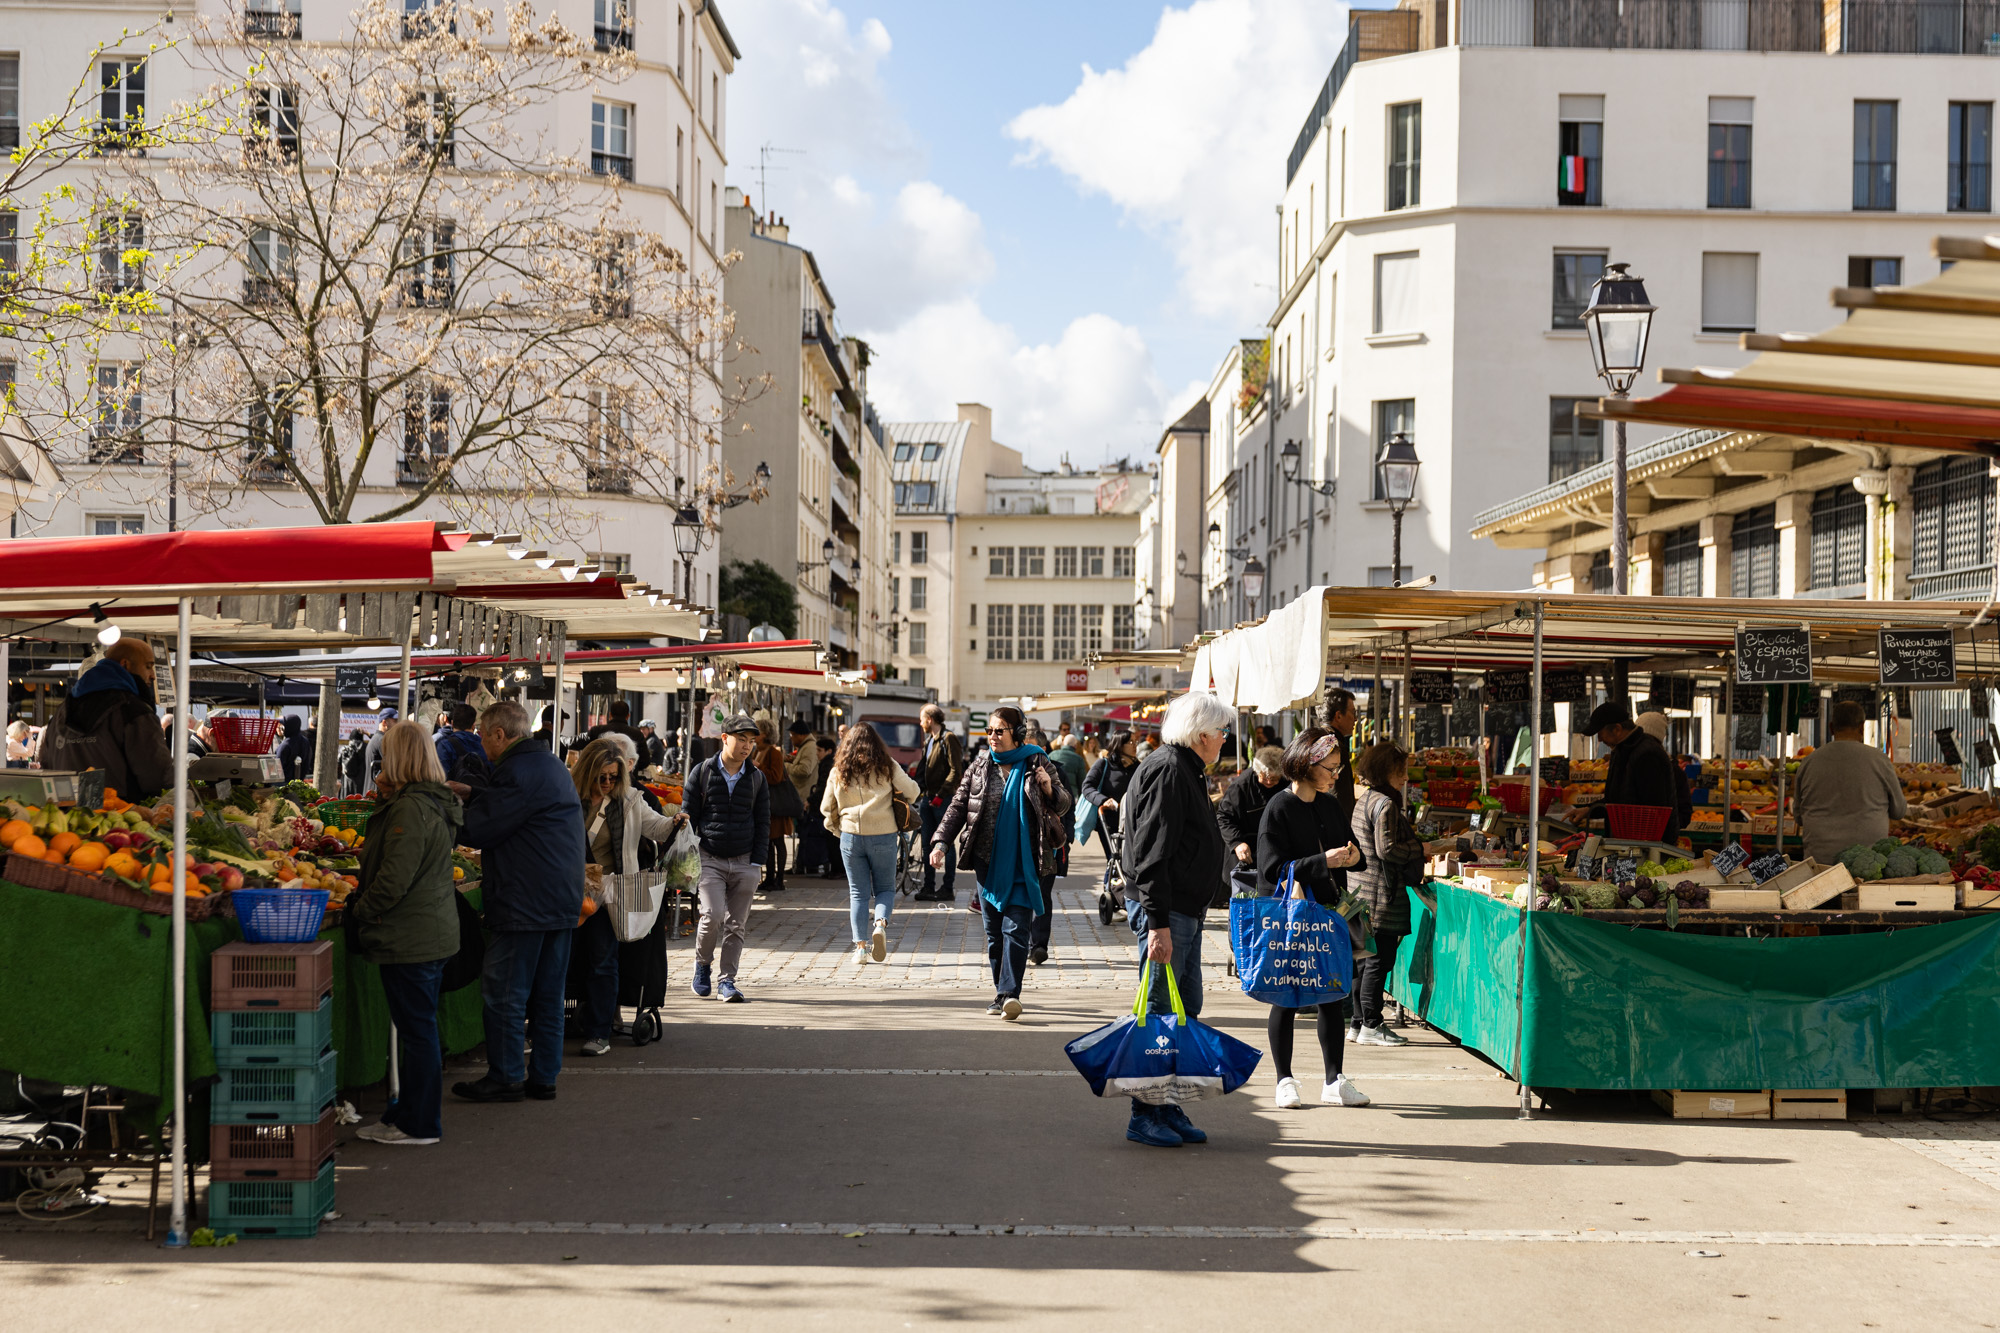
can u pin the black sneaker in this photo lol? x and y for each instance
(1038, 956)
(541, 1092)
(489, 1089)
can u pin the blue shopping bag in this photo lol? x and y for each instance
(1086, 821)
(1161, 1058)
(1289, 950)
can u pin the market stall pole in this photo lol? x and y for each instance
(560, 633)
(1534, 865)
(177, 1214)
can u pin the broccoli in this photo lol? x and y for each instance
(1858, 849)
(1930, 861)
(1886, 846)
(1867, 863)
(1901, 864)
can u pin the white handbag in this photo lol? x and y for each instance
(634, 902)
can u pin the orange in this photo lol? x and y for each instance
(65, 843)
(53, 857)
(123, 864)
(162, 872)
(13, 831)
(29, 845)
(89, 857)
(164, 886)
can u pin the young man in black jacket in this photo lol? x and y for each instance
(729, 805)
(1639, 770)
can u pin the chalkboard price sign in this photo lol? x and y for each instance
(1773, 656)
(1507, 687)
(1673, 691)
(354, 681)
(1918, 657)
(1730, 859)
(1747, 701)
(1564, 685)
(1857, 694)
(1982, 750)
(1432, 687)
(600, 682)
(1948, 746)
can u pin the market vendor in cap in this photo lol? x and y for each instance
(1639, 770)
(1848, 790)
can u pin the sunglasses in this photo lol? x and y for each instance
(607, 779)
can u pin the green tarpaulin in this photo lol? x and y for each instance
(1609, 1006)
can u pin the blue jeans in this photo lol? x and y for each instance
(1007, 945)
(412, 990)
(870, 859)
(523, 983)
(1038, 932)
(1186, 964)
(929, 817)
(596, 949)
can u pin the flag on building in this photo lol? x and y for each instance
(1573, 173)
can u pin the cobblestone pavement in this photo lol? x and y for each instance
(1969, 1147)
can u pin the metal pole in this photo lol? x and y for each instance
(1534, 873)
(561, 630)
(177, 1227)
(1396, 547)
(1621, 556)
(1728, 737)
(1407, 717)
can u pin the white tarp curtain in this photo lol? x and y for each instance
(1270, 667)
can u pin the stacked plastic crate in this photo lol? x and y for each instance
(272, 1135)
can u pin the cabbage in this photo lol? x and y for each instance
(1675, 865)
(1601, 897)
(1652, 869)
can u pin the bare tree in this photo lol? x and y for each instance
(393, 288)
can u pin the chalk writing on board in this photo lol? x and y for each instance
(1772, 656)
(1918, 657)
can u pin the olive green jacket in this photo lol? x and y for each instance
(404, 909)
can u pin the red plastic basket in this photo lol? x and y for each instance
(1514, 797)
(1646, 823)
(244, 735)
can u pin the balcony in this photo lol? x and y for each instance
(816, 330)
(846, 496)
(611, 164)
(613, 37)
(1941, 27)
(270, 25)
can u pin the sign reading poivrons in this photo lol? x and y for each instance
(1773, 656)
(1918, 657)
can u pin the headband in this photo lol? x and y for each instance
(1321, 748)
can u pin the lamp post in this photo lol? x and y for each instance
(1253, 583)
(1181, 571)
(1288, 462)
(1619, 320)
(825, 561)
(689, 536)
(1234, 553)
(1398, 462)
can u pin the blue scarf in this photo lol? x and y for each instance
(108, 675)
(1013, 878)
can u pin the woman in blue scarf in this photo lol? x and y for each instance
(1010, 815)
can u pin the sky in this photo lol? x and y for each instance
(1060, 208)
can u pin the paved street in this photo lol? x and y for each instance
(851, 1151)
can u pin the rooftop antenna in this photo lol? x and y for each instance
(764, 167)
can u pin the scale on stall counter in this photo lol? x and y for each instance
(257, 769)
(40, 786)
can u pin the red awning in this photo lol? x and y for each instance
(358, 556)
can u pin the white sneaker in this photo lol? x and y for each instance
(1354, 1034)
(1288, 1094)
(860, 952)
(878, 943)
(386, 1133)
(1381, 1035)
(1342, 1093)
(1011, 1010)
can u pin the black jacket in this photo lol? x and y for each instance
(530, 826)
(1108, 780)
(1241, 809)
(1640, 772)
(973, 815)
(1302, 831)
(118, 732)
(939, 769)
(729, 823)
(1173, 848)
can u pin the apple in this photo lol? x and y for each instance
(232, 878)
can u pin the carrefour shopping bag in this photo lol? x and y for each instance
(1289, 950)
(1161, 1058)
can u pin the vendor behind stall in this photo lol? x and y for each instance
(1848, 791)
(110, 722)
(1639, 771)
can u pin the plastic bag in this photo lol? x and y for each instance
(1161, 1058)
(681, 862)
(1289, 950)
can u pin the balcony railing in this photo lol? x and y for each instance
(608, 478)
(613, 37)
(611, 164)
(815, 327)
(846, 496)
(1944, 27)
(270, 25)
(1954, 585)
(1919, 27)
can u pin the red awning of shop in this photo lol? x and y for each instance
(358, 556)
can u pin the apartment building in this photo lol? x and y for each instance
(1171, 539)
(660, 134)
(813, 428)
(1464, 176)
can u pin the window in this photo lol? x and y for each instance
(1123, 627)
(1577, 271)
(267, 267)
(121, 253)
(1575, 442)
(1874, 271)
(1839, 537)
(420, 20)
(609, 562)
(268, 436)
(920, 548)
(1600, 573)
(680, 152)
(917, 678)
(904, 453)
(1728, 293)
(613, 297)
(432, 263)
(1062, 643)
(922, 493)
(1378, 576)
(1579, 150)
(1000, 562)
(614, 25)
(1092, 637)
(272, 20)
(715, 105)
(1033, 561)
(611, 139)
(1092, 561)
(680, 44)
(114, 434)
(920, 594)
(713, 213)
(1065, 562)
(606, 468)
(1406, 142)
(426, 430)
(429, 127)
(919, 638)
(1065, 504)
(274, 122)
(999, 633)
(115, 525)
(1391, 416)
(933, 452)
(1396, 293)
(1124, 562)
(10, 103)
(1875, 155)
(1753, 553)
(1680, 562)
(1968, 169)
(10, 252)
(121, 106)
(1952, 524)
(1028, 623)
(1729, 151)
(895, 548)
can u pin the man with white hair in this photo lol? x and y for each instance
(1173, 858)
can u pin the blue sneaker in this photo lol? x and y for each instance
(700, 983)
(726, 988)
(1176, 1120)
(1146, 1127)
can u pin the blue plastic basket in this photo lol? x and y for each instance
(272, 1094)
(245, 1037)
(279, 916)
(271, 1207)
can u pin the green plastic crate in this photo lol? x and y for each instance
(246, 1037)
(279, 1208)
(273, 1094)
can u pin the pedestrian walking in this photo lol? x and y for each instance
(1241, 810)
(528, 823)
(1173, 857)
(939, 769)
(1008, 816)
(1070, 760)
(615, 818)
(406, 921)
(785, 800)
(1305, 830)
(1045, 920)
(729, 804)
(815, 847)
(1393, 860)
(1104, 787)
(860, 804)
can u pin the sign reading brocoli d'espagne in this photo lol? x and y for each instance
(1774, 655)
(1917, 657)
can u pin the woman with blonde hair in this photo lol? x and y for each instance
(860, 804)
(406, 920)
(615, 817)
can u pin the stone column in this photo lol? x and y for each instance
(1794, 524)
(1715, 547)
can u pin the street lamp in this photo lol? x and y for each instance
(689, 535)
(1398, 464)
(1619, 320)
(1253, 583)
(1288, 461)
(825, 561)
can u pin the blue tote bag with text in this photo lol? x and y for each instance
(1289, 950)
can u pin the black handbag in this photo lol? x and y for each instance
(786, 802)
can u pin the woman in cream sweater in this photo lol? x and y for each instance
(859, 805)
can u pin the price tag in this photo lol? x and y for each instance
(1586, 867)
(1773, 656)
(1432, 687)
(1507, 687)
(1982, 750)
(1730, 859)
(1948, 746)
(1917, 657)
(600, 682)
(1564, 685)
(1766, 867)
(1624, 869)
(357, 682)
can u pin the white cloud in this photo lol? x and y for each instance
(1190, 135)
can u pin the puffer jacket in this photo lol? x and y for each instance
(1394, 856)
(404, 909)
(973, 816)
(729, 823)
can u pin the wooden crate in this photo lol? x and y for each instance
(1808, 1104)
(1744, 900)
(1879, 897)
(1797, 873)
(1977, 900)
(1822, 887)
(1682, 1104)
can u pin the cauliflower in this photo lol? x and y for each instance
(1900, 864)
(1864, 862)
